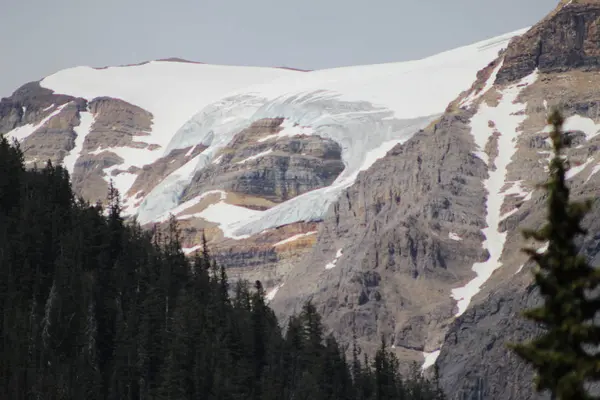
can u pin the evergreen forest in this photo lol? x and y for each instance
(95, 307)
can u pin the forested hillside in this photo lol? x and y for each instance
(96, 308)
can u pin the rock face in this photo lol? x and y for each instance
(421, 242)
(274, 171)
(565, 40)
(397, 261)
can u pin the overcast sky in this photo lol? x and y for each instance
(39, 37)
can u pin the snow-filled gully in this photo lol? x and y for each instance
(507, 117)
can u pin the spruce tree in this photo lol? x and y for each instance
(565, 281)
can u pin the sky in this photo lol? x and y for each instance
(40, 37)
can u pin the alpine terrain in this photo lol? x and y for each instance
(390, 195)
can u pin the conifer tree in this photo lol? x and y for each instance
(565, 281)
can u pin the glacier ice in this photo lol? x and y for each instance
(366, 109)
(364, 131)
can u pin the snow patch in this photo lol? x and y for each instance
(583, 124)
(189, 153)
(593, 172)
(86, 120)
(574, 171)
(22, 132)
(520, 269)
(482, 156)
(335, 260)
(189, 250)
(539, 251)
(516, 189)
(289, 129)
(454, 236)
(430, 359)
(271, 295)
(489, 84)
(226, 216)
(294, 238)
(507, 120)
(190, 203)
(254, 157)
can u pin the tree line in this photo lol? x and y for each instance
(94, 307)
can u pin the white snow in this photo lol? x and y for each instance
(574, 171)
(454, 236)
(583, 124)
(85, 126)
(335, 260)
(132, 157)
(468, 101)
(22, 132)
(430, 359)
(507, 123)
(294, 238)
(189, 153)
(271, 295)
(411, 88)
(289, 130)
(516, 189)
(190, 203)
(543, 248)
(366, 109)
(256, 156)
(519, 269)
(593, 172)
(189, 250)
(226, 216)
(171, 187)
(172, 91)
(122, 181)
(539, 251)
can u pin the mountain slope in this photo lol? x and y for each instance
(357, 187)
(424, 247)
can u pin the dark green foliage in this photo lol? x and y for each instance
(93, 307)
(565, 281)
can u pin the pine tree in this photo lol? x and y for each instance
(565, 280)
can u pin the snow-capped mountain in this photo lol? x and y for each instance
(253, 157)
(391, 195)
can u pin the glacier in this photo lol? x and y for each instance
(366, 109)
(364, 131)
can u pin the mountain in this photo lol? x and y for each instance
(390, 195)
(261, 160)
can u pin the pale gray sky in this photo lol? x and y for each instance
(39, 37)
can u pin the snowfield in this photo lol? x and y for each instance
(366, 109)
(507, 117)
